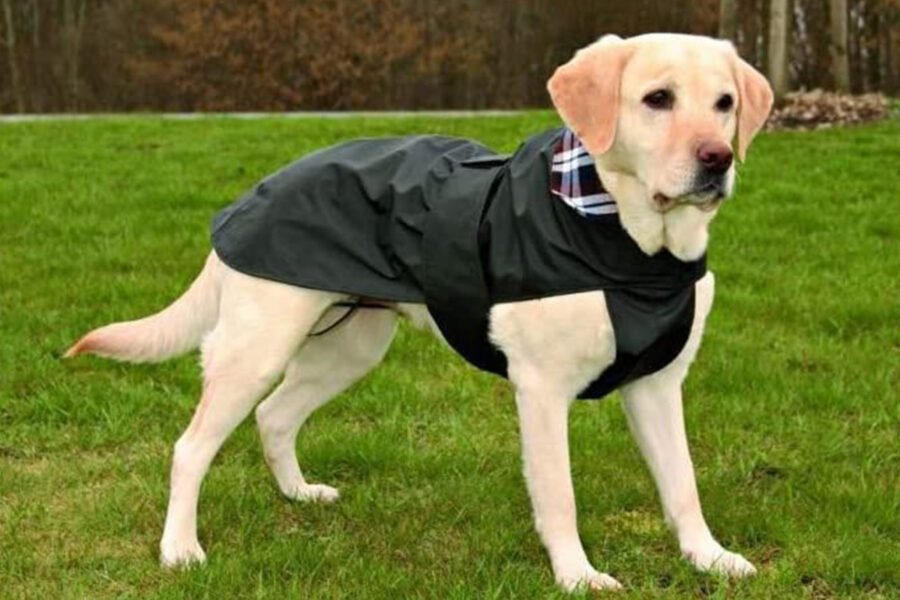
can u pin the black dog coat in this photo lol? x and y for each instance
(446, 222)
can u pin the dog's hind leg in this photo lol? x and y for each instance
(323, 368)
(261, 324)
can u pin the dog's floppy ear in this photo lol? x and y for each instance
(754, 103)
(585, 91)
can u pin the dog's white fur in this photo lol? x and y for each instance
(254, 332)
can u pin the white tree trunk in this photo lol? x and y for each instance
(840, 64)
(779, 20)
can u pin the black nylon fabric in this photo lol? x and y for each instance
(447, 222)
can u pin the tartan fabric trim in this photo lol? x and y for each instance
(573, 177)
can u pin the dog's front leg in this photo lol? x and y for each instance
(543, 420)
(654, 410)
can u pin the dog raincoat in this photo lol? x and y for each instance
(447, 222)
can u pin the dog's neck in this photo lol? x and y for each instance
(683, 230)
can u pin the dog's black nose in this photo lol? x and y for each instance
(715, 157)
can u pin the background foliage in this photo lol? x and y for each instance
(116, 55)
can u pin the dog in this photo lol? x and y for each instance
(657, 119)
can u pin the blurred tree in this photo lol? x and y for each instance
(889, 43)
(728, 20)
(108, 55)
(840, 65)
(12, 55)
(73, 18)
(778, 47)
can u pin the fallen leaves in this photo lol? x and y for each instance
(818, 109)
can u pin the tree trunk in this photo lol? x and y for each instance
(760, 33)
(840, 63)
(779, 19)
(73, 27)
(890, 82)
(872, 33)
(10, 38)
(37, 87)
(728, 20)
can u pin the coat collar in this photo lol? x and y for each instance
(574, 178)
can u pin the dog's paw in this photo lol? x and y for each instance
(313, 492)
(586, 578)
(180, 554)
(714, 558)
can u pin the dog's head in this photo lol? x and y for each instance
(667, 110)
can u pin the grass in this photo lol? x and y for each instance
(792, 406)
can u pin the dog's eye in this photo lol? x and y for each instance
(725, 103)
(659, 100)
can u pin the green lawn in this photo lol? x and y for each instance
(792, 408)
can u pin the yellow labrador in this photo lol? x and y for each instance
(655, 112)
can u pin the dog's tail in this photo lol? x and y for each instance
(176, 329)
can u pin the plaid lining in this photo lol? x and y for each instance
(574, 178)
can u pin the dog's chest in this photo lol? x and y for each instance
(567, 341)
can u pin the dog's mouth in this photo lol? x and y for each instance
(706, 198)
